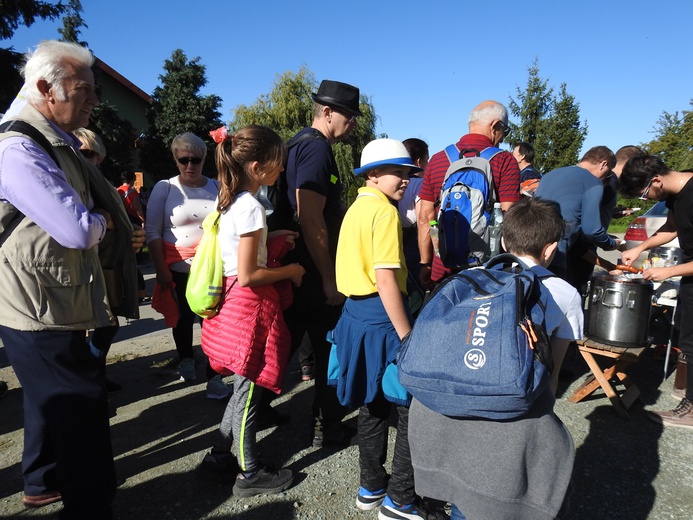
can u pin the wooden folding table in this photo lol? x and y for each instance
(608, 378)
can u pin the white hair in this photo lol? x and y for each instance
(489, 112)
(48, 62)
(188, 142)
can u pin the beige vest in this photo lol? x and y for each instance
(43, 285)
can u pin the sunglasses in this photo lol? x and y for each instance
(349, 117)
(185, 160)
(647, 190)
(88, 154)
(506, 128)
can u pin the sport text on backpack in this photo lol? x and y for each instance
(479, 347)
(466, 200)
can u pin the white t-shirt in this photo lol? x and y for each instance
(564, 319)
(245, 215)
(175, 214)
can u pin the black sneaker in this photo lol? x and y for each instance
(268, 481)
(3, 389)
(219, 466)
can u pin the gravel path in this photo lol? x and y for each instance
(162, 428)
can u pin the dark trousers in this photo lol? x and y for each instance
(310, 315)
(372, 430)
(67, 439)
(183, 331)
(685, 319)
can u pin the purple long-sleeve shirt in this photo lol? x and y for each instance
(32, 182)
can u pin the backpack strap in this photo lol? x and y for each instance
(488, 154)
(453, 153)
(316, 136)
(22, 127)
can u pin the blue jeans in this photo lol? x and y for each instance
(456, 514)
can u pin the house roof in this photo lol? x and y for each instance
(122, 80)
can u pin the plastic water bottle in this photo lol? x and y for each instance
(495, 229)
(433, 231)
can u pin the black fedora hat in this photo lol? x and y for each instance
(336, 94)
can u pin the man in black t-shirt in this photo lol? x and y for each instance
(314, 192)
(649, 178)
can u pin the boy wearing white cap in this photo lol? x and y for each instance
(372, 273)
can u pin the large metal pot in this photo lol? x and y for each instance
(666, 256)
(618, 310)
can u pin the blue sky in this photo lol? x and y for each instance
(425, 65)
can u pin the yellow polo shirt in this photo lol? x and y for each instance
(370, 238)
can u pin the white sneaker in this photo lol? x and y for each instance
(217, 389)
(186, 369)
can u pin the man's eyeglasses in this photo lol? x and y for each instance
(349, 117)
(88, 154)
(506, 128)
(185, 160)
(647, 190)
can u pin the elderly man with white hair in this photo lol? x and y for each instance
(56, 212)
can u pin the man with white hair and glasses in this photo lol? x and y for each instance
(56, 209)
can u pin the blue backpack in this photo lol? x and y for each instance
(466, 200)
(479, 347)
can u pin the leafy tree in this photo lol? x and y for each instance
(673, 140)
(72, 23)
(288, 108)
(12, 15)
(177, 107)
(548, 122)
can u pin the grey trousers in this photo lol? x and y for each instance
(239, 423)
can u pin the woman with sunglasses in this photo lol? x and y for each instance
(176, 209)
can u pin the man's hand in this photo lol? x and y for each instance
(657, 274)
(105, 214)
(631, 255)
(137, 240)
(425, 277)
(332, 295)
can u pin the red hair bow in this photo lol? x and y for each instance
(219, 135)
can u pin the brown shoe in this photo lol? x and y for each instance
(42, 500)
(681, 416)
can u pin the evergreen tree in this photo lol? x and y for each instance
(26, 12)
(12, 15)
(178, 107)
(72, 23)
(118, 136)
(551, 124)
(289, 107)
(533, 109)
(565, 134)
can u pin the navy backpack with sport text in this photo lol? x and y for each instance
(479, 347)
(466, 200)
